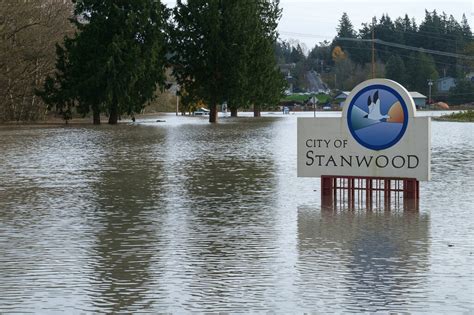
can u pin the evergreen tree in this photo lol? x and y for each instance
(420, 69)
(297, 54)
(385, 30)
(239, 23)
(198, 63)
(465, 28)
(282, 52)
(395, 70)
(462, 93)
(320, 56)
(346, 30)
(266, 82)
(224, 49)
(114, 61)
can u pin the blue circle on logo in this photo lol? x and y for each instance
(377, 117)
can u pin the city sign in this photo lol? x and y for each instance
(378, 135)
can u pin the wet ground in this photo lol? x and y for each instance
(182, 215)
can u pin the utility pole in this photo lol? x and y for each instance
(430, 84)
(373, 48)
(314, 99)
(177, 99)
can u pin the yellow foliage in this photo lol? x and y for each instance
(200, 104)
(338, 54)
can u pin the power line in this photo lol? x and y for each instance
(420, 49)
(401, 55)
(407, 33)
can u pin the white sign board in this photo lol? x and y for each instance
(377, 136)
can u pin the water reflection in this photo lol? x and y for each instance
(220, 206)
(367, 261)
(127, 192)
(150, 217)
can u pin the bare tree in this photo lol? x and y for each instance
(29, 31)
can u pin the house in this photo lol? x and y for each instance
(444, 84)
(470, 76)
(341, 98)
(419, 99)
(286, 69)
(292, 105)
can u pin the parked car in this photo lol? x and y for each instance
(201, 112)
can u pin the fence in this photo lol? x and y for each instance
(369, 192)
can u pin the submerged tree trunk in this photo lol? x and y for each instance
(96, 116)
(113, 117)
(233, 112)
(213, 114)
(256, 112)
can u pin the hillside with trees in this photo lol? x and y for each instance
(87, 57)
(404, 51)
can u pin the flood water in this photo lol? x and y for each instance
(184, 216)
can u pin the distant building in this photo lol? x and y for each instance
(286, 69)
(419, 99)
(444, 84)
(470, 76)
(341, 98)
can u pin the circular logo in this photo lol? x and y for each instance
(377, 117)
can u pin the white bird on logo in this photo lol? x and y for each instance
(374, 108)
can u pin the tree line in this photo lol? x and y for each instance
(346, 60)
(112, 56)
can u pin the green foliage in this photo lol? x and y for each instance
(320, 56)
(345, 28)
(463, 116)
(115, 60)
(297, 54)
(282, 52)
(322, 98)
(395, 70)
(199, 58)
(354, 49)
(420, 69)
(225, 52)
(462, 93)
(437, 32)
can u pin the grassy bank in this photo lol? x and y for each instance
(322, 98)
(464, 116)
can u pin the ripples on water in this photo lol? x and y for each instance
(186, 216)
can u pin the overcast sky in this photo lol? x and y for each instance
(312, 21)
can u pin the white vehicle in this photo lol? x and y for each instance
(201, 112)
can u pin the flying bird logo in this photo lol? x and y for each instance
(374, 108)
(377, 117)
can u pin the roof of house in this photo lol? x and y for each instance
(445, 78)
(343, 94)
(417, 95)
